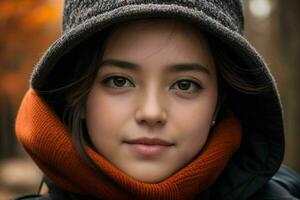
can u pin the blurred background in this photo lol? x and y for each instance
(28, 27)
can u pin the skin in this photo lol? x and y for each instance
(153, 102)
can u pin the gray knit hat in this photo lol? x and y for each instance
(262, 148)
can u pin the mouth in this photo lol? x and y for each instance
(149, 147)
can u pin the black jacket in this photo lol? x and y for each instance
(284, 185)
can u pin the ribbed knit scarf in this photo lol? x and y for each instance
(49, 144)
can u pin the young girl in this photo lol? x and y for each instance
(155, 100)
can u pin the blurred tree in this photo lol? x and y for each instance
(7, 145)
(290, 42)
(27, 28)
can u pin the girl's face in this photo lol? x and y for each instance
(151, 106)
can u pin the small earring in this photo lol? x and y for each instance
(213, 123)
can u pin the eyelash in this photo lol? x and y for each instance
(198, 87)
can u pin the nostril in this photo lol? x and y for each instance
(151, 122)
(151, 117)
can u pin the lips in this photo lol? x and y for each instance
(149, 141)
(149, 147)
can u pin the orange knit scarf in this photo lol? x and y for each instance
(49, 144)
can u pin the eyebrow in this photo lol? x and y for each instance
(172, 68)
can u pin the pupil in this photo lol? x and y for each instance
(119, 81)
(184, 85)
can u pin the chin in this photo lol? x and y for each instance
(147, 176)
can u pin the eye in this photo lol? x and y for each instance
(186, 84)
(117, 81)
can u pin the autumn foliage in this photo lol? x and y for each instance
(27, 28)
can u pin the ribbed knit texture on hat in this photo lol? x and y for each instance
(228, 12)
(49, 144)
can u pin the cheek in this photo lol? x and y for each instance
(193, 121)
(105, 115)
(192, 134)
(197, 113)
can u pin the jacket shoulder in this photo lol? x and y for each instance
(285, 184)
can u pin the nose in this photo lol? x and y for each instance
(151, 110)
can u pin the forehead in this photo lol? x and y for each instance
(158, 43)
